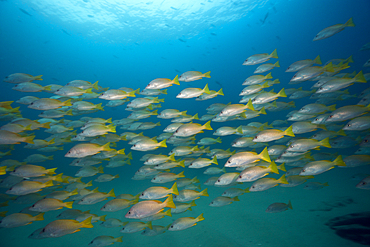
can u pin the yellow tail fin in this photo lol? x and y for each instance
(176, 80)
(163, 143)
(214, 160)
(174, 189)
(106, 147)
(181, 175)
(268, 76)
(149, 225)
(207, 126)
(289, 131)
(118, 240)
(111, 193)
(274, 54)
(204, 192)
(200, 217)
(87, 223)
(339, 161)
(360, 77)
(273, 168)
(282, 93)
(325, 143)
(317, 60)
(68, 204)
(207, 74)
(38, 77)
(277, 64)
(169, 202)
(282, 180)
(29, 139)
(220, 92)
(39, 217)
(350, 23)
(206, 89)
(249, 105)
(264, 155)
(51, 171)
(95, 85)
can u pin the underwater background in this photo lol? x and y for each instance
(129, 43)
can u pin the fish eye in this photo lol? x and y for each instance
(330, 116)
(320, 88)
(291, 146)
(142, 194)
(366, 140)
(253, 187)
(229, 161)
(303, 170)
(239, 177)
(129, 212)
(43, 230)
(211, 202)
(153, 178)
(219, 180)
(171, 226)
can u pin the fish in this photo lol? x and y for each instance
(267, 183)
(147, 208)
(158, 192)
(132, 227)
(21, 77)
(59, 228)
(318, 167)
(278, 207)
(194, 75)
(273, 134)
(294, 67)
(188, 93)
(87, 149)
(189, 195)
(49, 204)
(260, 58)
(105, 240)
(364, 184)
(161, 83)
(19, 219)
(243, 158)
(223, 201)
(330, 31)
(184, 223)
(190, 129)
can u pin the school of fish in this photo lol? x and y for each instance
(280, 144)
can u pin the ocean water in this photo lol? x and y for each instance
(129, 43)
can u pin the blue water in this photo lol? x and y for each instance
(129, 45)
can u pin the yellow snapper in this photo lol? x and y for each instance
(87, 149)
(182, 207)
(19, 219)
(190, 129)
(266, 67)
(223, 201)
(227, 179)
(318, 167)
(7, 137)
(96, 197)
(27, 187)
(304, 144)
(189, 195)
(116, 94)
(27, 171)
(336, 84)
(188, 93)
(330, 31)
(105, 240)
(308, 73)
(149, 144)
(267, 183)
(303, 64)
(234, 109)
(131, 227)
(167, 177)
(144, 102)
(49, 204)
(260, 58)
(160, 83)
(184, 223)
(256, 79)
(194, 75)
(59, 228)
(256, 172)
(266, 97)
(203, 162)
(118, 204)
(83, 84)
(72, 91)
(30, 87)
(158, 192)
(273, 134)
(21, 77)
(147, 208)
